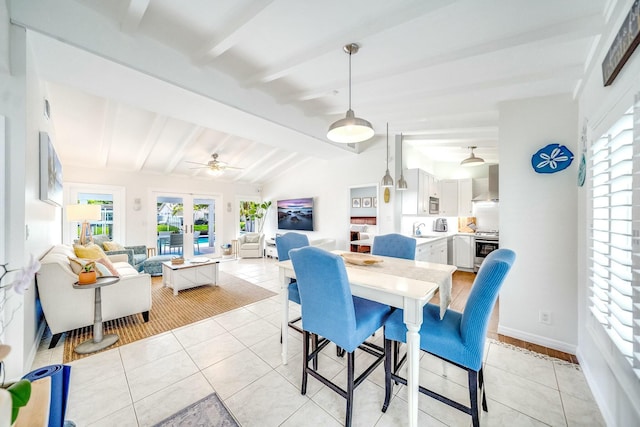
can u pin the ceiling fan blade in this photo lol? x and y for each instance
(200, 167)
(233, 167)
(197, 163)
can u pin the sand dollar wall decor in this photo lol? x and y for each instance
(552, 158)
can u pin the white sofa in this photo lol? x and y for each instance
(66, 308)
(251, 245)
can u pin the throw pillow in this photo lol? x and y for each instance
(109, 265)
(252, 238)
(113, 246)
(77, 265)
(91, 251)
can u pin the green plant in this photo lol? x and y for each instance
(257, 213)
(89, 267)
(20, 395)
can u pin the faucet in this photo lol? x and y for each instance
(417, 229)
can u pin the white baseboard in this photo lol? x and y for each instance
(537, 339)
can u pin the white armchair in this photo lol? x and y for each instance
(251, 245)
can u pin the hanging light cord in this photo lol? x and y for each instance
(387, 147)
(350, 78)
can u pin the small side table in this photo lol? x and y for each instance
(99, 341)
(234, 248)
(151, 252)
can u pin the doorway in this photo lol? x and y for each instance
(185, 224)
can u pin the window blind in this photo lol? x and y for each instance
(615, 208)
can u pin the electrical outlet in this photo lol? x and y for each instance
(544, 317)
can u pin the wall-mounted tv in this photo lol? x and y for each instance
(295, 214)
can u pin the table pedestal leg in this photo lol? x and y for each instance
(413, 372)
(284, 327)
(99, 340)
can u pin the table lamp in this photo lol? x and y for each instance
(84, 214)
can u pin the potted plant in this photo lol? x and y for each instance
(88, 274)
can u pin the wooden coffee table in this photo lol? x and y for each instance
(190, 274)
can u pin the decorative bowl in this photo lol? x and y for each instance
(360, 259)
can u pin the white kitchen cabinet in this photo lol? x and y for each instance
(415, 200)
(449, 197)
(433, 251)
(463, 251)
(465, 194)
(421, 186)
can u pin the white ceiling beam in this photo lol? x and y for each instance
(566, 31)
(251, 170)
(177, 155)
(234, 30)
(154, 132)
(425, 134)
(133, 15)
(108, 124)
(363, 31)
(275, 166)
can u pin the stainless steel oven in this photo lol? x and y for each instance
(485, 242)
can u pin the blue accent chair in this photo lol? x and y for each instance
(329, 310)
(284, 244)
(394, 245)
(458, 338)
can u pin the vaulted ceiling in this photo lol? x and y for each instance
(259, 81)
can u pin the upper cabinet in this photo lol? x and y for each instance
(465, 194)
(454, 194)
(421, 186)
(449, 197)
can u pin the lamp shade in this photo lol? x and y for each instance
(82, 213)
(350, 129)
(472, 160)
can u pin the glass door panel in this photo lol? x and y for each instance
(185, 224)
(204, 239)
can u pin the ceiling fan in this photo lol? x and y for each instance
(214, 166)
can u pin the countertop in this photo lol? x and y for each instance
(420, 240)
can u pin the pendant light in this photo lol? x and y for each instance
(387, 181)
(351, 128)
(472, 160)
(402, 183)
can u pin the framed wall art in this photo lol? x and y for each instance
(355, 202)
(50, 172)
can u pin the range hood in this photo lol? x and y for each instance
(493, 193)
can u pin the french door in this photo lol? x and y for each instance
(185, 224)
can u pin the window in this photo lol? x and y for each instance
(614, 294)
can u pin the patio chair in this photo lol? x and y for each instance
(163, 240)
(176, 240)
(196, 236)
(458, 338)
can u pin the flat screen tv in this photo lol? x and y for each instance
(295, 214)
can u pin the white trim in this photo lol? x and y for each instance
(537, 339)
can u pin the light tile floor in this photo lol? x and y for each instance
(237, 355)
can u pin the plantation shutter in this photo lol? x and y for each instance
(614, 296)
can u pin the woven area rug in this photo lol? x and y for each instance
(169, 312)
(208, 412)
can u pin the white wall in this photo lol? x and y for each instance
(329, 182)
(537, 221)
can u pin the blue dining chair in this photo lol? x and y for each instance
(394, 245)
(329, 310)
(458, 338)
(284, 244)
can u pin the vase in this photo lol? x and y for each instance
(87, 277)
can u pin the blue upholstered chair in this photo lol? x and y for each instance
(329, 310)
(394, 245)
(284, 244)
(459, 337)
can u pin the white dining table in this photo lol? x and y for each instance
(400, 283)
